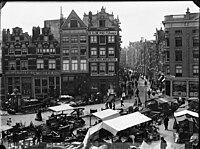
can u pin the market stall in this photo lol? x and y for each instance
(106, 114)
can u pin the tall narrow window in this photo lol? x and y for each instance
(111, 52)
(93, 39)
(93, 51)
(65, 51)
(111, 39)
(65, 39)
(74, 51)
(167, 42)
(167, 56)
(74, 39)
(40, 64)
(178, 55)
(83, 51)
(52, 64)
(178, 41)
(167, 70)
(74, 65)
(66, 65)
(111, 67)
(196, 56)
(195, 41)
(83, 65)
(24, 65)
(12, 65)
(93, 67)
(102, 67)
(178, 71)
(102, 39)
(102, 51)
(196, 70)
(102, 23)
(82, 39)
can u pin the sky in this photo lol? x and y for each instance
(138, 19)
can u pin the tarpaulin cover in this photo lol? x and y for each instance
(184, 112)
(5, 127)
(106, 114)
(62, 107)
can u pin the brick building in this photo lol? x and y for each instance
(181, 63)
(104, 50)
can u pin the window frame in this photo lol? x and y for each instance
(74, 65)
(83, 65)
(66, 64)
(179, 71)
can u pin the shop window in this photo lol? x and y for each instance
(52, 64)
(93, 39)
(93, 51)
(111, 52)
(178, 71)
(83, 65)
(178, 55)
(102, 67)
(82, 39)
(195, 41)
(111, 39)
(111, 67)
(178, 41)
(24, 65)
(40, 64)
(83, 51)
(74, 65)
(195, 70)
(102, 39)
(102, 51)
(93, 67)
(66, 65)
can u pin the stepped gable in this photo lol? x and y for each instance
(73, 15)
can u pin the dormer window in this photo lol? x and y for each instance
(102, 23)
(74, 23)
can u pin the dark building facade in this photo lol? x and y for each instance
(104, 51)
(32, 65)
(74, 56)
(181, 63)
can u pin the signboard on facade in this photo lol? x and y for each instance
(179, 88)
(103, 74)
(103, 59)
(33, 72)
(193, 89)
(102, 33)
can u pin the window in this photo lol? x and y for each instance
(167, 70)
(111, 67)
(66, 51)
(196, 56)
(93, 51)
(102, 51)
(178, 41)
(83, 65)
(18, 52)
(24, 51)
(37, 82)
(52, 64)
(52, 51)
(24, 65)
(82, 39)
(178, 31)
(102, 39)
(195, 41)
(65, 39)
(102, 23)
(74, 65)
(178, 71)
(40, 64)
(93, 67)
(196, 70)
(39, 51)
(102, 67)
(12, 65)
(167, 42)
(111, 39)
(167, 56)
(178, 55)
(74, 39)
(83, 51)
(11, 51)
(73, 23)
(66, 65)
(45, 38)
(111, 51)
(74, 51)
(194, 31)
(93, 39)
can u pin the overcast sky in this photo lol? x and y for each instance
(138, 19)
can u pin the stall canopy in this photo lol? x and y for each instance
(62, 107)
(123, 122)
(184, 112)
(106, 114)
(5, 128)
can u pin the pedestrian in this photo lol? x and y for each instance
(136, 83)
(163, 143)
(113, 106)
(166, 120)
(9, 121)
(149, 93)
(123, 95)
(38, 134)
(122, 101)
(137, 92)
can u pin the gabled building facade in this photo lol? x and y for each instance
(74, 56)
(104, 51)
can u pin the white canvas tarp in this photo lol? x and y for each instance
(184, 112)
(123, 122)
(106, 114)
(62, 107)
(5, 127)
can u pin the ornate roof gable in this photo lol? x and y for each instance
(73, 16)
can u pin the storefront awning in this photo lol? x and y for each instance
(5, 127)
(184, 112)
(106, 114)
(62, 107)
